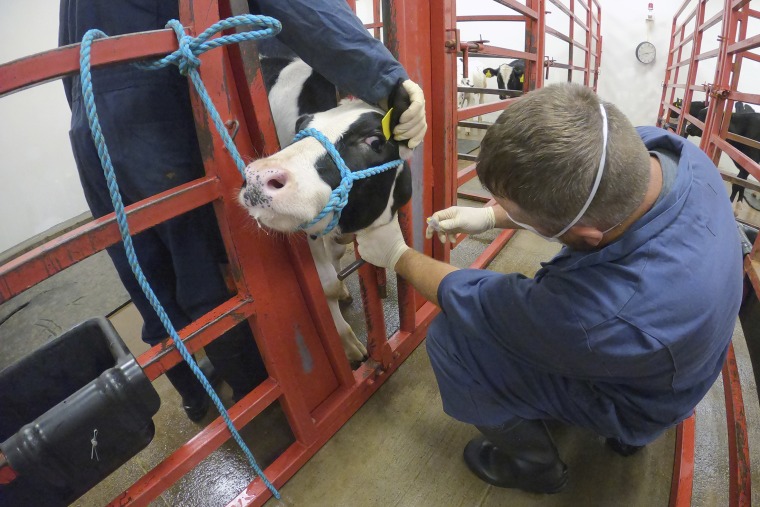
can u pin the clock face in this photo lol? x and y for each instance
(645, 52)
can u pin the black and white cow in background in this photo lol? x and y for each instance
(291, 187)
(509, 76)
(743, 124)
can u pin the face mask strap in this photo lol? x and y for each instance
(599, 174)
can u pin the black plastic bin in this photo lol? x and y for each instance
(51, 403)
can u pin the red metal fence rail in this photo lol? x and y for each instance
(589, 22)
(689, 26)
(316, 402)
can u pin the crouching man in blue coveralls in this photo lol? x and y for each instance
(624, 331)
(148, 120)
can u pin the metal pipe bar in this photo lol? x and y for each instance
(738, 4)
(64, 251)
(517, 6)
(744, 45)
(484, 51)
(751, 56)
(53, 64)
(490, 17)
(683, 43)
(751, 185)
(682, 481)
(466, 174)
(474, 125)
(737, 156)
(710, 22)
(746, 141)
(688, 18)
(489, 91)
(707, 55)
(752, 98)
(681, 9)
(740, 490)
(481, 109)
(467, 156)
(473, 197)
(569, 67)
(196, 335)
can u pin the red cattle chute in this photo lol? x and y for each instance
(277, 287)
(734, 44)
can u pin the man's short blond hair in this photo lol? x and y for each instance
(544, 151)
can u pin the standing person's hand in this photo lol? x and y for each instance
(408, 103)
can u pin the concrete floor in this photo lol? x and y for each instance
(399, 449)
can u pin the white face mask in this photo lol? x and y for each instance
(591, 196)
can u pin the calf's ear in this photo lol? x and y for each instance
(398, 102)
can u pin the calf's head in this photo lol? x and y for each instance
(291, 187)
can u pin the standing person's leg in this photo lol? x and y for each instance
(198, 261)
(166, 154)
(515, 449)
(153, 256)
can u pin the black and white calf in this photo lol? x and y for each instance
(509, 76)
(291, 187)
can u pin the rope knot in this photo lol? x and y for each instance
(187, 59)
(339, 196)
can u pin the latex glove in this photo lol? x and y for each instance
(382, 246)
(450, 221)
(412, 124)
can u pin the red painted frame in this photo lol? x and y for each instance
(590, 24)
(317, 403)
(689, 26)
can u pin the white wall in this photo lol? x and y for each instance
(39, 185)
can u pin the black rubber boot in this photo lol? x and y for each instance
(623, 449)
(195, 401)
(518, 455)
(238, 361)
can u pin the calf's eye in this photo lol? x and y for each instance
(376, 143)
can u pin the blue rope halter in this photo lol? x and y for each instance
(186, 58)
(339, 196)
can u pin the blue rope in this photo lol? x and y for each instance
(339, 196)
(186, 58)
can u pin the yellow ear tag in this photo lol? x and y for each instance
(488, 73)
(386, 123)
(522, 78)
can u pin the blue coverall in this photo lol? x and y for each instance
(147, 120)
(625, 340)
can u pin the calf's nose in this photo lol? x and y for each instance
(274, 181)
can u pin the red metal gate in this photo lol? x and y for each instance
(424, 37)
(689, 27)
(589, 22)
(316, 402)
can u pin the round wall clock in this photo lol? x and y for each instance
(645, 52)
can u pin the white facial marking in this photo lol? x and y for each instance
(285, 190)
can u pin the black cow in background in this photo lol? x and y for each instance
(509, 76)
(694, 108)
(741, 107)
(742, 124)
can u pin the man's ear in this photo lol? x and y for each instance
(590, 235)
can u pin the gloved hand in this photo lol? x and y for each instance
(382, 246)
(412, 124)
(450, 221)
